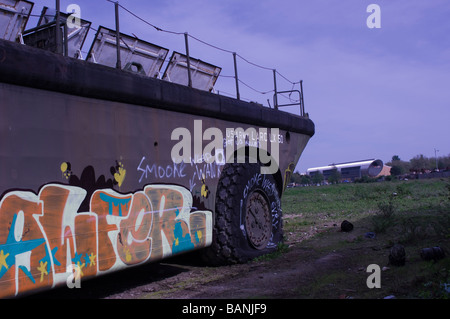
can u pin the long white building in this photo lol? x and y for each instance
(350, 170)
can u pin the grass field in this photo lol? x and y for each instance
(414, 214)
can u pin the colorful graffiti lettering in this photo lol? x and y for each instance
(41, 236)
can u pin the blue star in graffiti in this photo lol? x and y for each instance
(47, 259)
(77, 259)
(14, 247)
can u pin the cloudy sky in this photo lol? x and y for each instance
(372, 92)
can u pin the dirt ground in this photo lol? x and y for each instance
(322, 263)
(283, 277)
(279, 278)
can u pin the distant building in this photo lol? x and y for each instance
(353, 170)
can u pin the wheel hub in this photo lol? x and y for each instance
(258, 222)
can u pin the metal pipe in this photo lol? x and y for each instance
(188, 59)
(119, 62)
(238, 95)
(302, 101)
(66, 40)
(58, 28)
(275, 97)
(435, 156)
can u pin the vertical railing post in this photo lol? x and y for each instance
(188, 59)
(66, 39)
(58, 28)
(238, 95)
(302, 101)
(119, 62)
(275, 97)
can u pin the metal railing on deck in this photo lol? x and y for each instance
(300, 102)
(61, 47)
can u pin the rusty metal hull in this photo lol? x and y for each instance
(86, 174)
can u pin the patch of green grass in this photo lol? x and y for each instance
(339, 202)
(414, 213)
(322, 285)
(281, 249)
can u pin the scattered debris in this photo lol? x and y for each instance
(346, 226)
(397, 255)
(370, 235)
(434, 253)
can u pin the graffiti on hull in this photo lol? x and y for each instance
(42, 235)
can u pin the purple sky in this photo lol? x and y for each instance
(372, 93)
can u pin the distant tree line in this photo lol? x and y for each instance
(418, 164)
(297, 178)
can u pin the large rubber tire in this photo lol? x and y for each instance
(248, 213)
